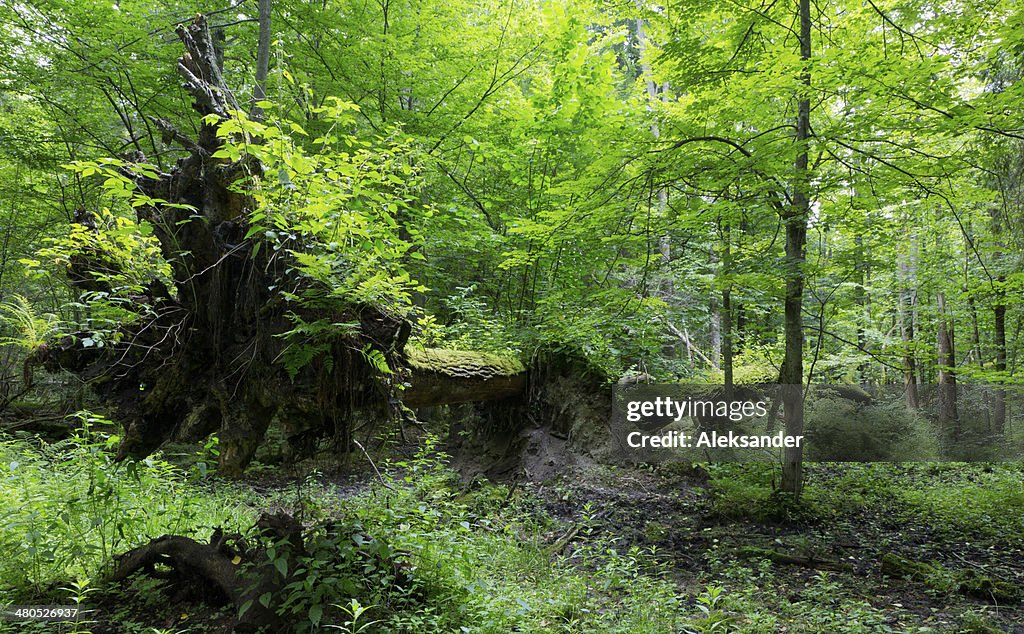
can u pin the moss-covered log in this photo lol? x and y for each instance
(787, 559)
(457, 376)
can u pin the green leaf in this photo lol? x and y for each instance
(316, 613)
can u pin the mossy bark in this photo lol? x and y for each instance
(787, 559)
(456, 376)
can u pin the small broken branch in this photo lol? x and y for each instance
(786, 559)
(380, 477)
(171, 134)
(689, 345)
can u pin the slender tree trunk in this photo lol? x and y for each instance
(727, 334)
(946, 359)
(739, 338)
(862, 301)
(5, 251)
(999, 313)
(715, 321)
(666, 287)
(972, 308)
(796, 239)
(907, 301)
(259, 92)
(385, 57)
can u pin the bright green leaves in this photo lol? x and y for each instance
(307, 340)
(124, 259)
(117, 180)
(330, 216)
(377, 360)
(131, 254)
(335, 211)
(32, 328)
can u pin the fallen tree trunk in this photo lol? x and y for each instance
(457, 376)
(787, 559)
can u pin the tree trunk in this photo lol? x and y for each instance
(727, 334)
(946, 359)
(666, 286)
(974, 353)
(999, 317)
(907, 302)
(453, 376)
(860, 299)
(999, 310)
(714, 321)
(796, 238)
(259, 92)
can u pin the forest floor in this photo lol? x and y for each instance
(672, 548)
(819, 566)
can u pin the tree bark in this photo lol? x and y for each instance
(861, 300)
(999, 313)
(946, 359)
(714, 321)
(259, 92)
(907, 302)
(666, 287)
(796, 239)
(727, 330)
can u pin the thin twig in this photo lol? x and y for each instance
(375, 469)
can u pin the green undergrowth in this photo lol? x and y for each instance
(764, 599)
(418, 550)
(983, 499)
(860, 515)
(483, 562)
(415, 551)
(750, 492)
(68, 508)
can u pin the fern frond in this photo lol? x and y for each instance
(32, 328)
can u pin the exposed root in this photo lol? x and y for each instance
(215, 571)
